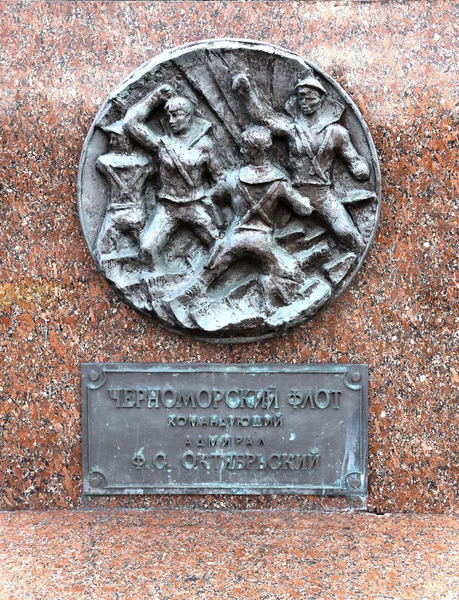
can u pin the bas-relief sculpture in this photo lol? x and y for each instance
(229, 190)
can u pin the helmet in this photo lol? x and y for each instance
(311, 82)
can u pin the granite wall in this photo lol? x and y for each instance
(398, 61)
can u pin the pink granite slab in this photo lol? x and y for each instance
(399, 62)
(261, 555)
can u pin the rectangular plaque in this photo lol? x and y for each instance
(225, 429)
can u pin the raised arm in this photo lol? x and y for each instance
(278, 124)
(298, 203)
(357, 165)
(214, 166)
(137, 115)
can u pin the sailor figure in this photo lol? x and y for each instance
(258, 189)
(126, 171)
(315, 140)
(187, 168)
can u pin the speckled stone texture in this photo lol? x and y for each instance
(268, 555)
(398, 61)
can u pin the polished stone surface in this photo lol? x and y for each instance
(269, 555)
(400, 315)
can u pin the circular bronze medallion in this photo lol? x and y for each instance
(229, 190)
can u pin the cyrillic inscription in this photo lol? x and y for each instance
(190, 429)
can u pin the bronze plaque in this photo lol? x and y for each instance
(225, 429)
